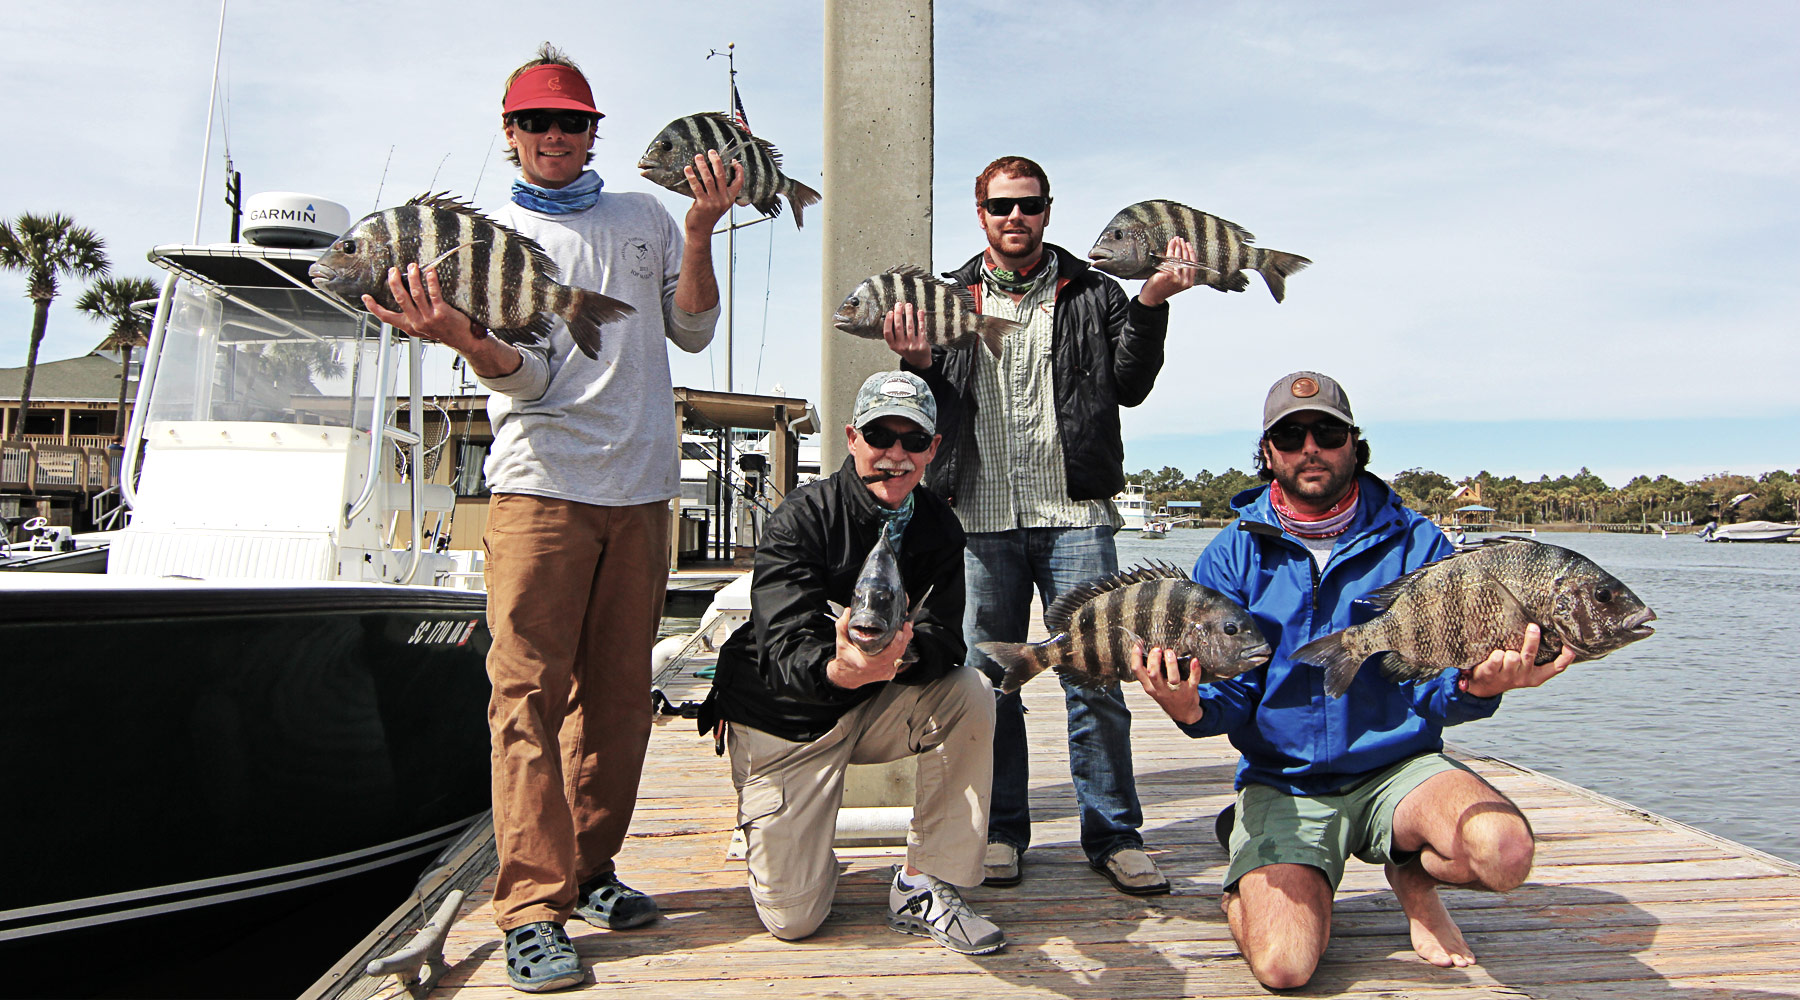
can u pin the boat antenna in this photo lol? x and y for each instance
(234, 181)
(212, 101)
(383, 183)
(733, 110)
(768, 272)
(484, 163)
(434, 174)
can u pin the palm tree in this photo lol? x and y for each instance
(111, 299)
(46, 247)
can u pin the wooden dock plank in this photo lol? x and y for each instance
(1621, 904)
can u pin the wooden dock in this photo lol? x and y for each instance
(1622, 904)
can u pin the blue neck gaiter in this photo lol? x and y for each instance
(579, 196)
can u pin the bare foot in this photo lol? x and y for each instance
(1435, 936)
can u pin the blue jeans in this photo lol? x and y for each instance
(1000, 568)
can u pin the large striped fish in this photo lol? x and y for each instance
(947, 312)
(496, 276)
(685, 138)
(1133, 245)
(1458, 610)
(1093, 628)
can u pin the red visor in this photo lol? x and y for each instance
(550, 86)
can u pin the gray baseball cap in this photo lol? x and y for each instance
(895, 394)
(1306, 391)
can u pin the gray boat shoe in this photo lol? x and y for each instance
(1132, 872)
(607, 902)
(539, 958)
(936, 910)
(1001, 864)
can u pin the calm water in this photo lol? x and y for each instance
(1696, 723)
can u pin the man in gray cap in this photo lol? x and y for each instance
(798, 695)
(1324, 778)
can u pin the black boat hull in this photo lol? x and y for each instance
(169, 751)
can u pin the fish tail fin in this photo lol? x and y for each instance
(586, 312)
(1275, 267)
(1338, 655)
(799, 196)
(992, 330)
(1020, 661)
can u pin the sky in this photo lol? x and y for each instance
(1545, 235)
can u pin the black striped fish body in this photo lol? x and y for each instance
(493, 274)
(1457, 611)
(685, 138)
(946, 311)
(1094, 627)
(1134, 244)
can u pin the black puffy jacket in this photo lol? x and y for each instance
(1106, 350)
(771, 672)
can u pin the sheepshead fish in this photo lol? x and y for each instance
(878, 602)
(495, 275)
(685, 138)
(1455, 612)
(1132, 246)
(1093, 628)
(947, 311)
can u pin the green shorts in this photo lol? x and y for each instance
(1275, 828)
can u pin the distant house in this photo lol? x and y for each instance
(73, 402)
(1472, 516)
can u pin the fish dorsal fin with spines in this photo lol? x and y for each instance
(1061, 612)
(732, 127)
(1382, 598)
(450, 203)
(957, 291)
(1244, 234)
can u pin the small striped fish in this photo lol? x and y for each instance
(946, 311)
(499, 278)
(1093, 628)
(685, 138)
(1458, 610)
(1133, 245)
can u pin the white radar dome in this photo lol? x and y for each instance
(290, 219)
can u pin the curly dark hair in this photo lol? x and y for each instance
(1264, 473)
(547, 55)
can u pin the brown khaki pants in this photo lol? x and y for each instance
(575, 592)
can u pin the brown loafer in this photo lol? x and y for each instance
(1132, 872)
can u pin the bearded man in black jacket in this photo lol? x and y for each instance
(801, 701)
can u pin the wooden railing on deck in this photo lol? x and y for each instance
(35, 467)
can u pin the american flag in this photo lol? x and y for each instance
(737, 108)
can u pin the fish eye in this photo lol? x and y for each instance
(664, 145)
(1603, 595)
(1115, 234)
(853, 301)
(347, 246)
(1230, 628)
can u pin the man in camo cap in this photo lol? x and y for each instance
(797, 699)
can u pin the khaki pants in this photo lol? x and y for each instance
(575, 592)
(789, 793)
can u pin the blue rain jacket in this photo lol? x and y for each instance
(1292, 736)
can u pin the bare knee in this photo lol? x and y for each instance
(1500, 850)
(1285, 972)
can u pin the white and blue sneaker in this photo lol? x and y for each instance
(931, 907)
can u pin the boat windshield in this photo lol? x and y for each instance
(267, 354)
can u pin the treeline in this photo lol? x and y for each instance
(1582, 497)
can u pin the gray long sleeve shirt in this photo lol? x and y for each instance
(599, 431)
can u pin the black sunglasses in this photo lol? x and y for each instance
(571, 122)
(1329, 434)
(882, 438)
(1003, 207)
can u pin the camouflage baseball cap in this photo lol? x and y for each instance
(895, 394)
(1306, 391)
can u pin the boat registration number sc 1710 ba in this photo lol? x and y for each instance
(443, 632)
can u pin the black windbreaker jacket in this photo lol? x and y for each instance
(771, 672)
(1106, 350)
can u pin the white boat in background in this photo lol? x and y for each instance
(1133, 505)
(1748, 531)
